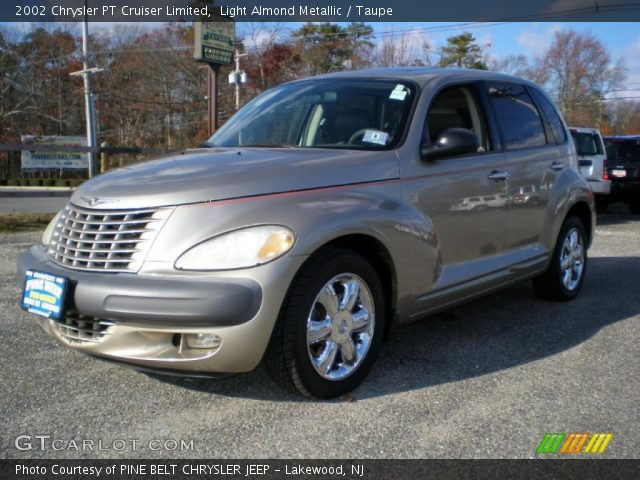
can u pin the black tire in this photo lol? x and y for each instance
(550, 285)
(635, 207)
(289, 357)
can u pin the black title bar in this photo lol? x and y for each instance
(584, 469)
(317, 10)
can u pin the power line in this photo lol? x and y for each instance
(344, 35)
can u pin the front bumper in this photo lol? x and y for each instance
(142, 319)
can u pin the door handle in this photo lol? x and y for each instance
(557, 166)
(499, 175)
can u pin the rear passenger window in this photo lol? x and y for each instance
(551, 114)
(517, 116)
(587, 143)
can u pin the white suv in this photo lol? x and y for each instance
(592, 159)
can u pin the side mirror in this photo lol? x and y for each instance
(451, 142)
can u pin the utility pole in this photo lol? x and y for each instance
(86, 73)
(240, 76)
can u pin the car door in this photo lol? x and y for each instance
(533, 162)
(457, 195)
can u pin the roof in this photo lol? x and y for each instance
(421, 75)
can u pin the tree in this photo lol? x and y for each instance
(517, 65)
(577, 69)
(270, 60)
(329, 47)
(623, 117)
(406, 49)
(462, 51)
(277, 64)
(9, 104)
(37, 92)
(152, 93)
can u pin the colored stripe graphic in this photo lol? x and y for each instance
(581, 442)
(567, 443)
(573, 443)
(598, 443)
(550, 443)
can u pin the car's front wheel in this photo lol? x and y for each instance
(330, 326)
(565, 275)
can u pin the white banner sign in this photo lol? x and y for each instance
(54, 159)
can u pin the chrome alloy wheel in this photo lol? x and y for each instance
(572, 259)
(340, 326)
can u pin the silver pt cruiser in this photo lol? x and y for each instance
(322, 215)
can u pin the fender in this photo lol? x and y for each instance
(570, 190)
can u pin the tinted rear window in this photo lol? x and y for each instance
(623, 150)
(552, 115)
(517, 116)
(587, 143)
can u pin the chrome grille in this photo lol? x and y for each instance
(104, 240)
(76, 327)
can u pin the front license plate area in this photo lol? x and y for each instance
(44, 294)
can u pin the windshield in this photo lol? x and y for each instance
(623, 150)
(360, 114)
(587, 143)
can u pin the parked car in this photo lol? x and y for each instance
(592, 160)
(624, 170)
(317, 220)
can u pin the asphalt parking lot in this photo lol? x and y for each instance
(484, 380)
(32, 200)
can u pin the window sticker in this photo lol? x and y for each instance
(375, 136)
(398, 93)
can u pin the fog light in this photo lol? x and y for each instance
(202, 340)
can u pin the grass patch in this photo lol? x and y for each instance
(24, 222)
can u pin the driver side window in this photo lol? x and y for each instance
(457, 107)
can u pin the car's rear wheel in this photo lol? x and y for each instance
(635, 207)
(330, 326)
(565, 275)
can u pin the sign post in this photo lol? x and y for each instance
(212, 86)
(215, 45)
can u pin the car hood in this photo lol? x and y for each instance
(222, 173)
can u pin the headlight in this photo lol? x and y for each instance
(48, 232)
(243, 248)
